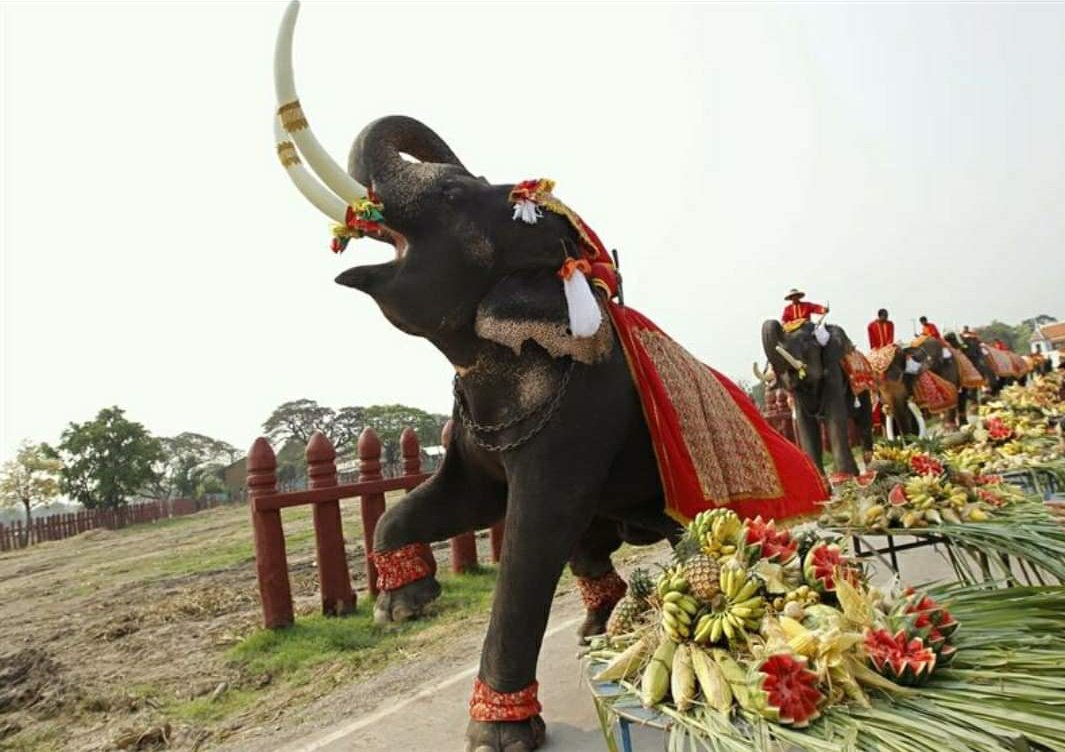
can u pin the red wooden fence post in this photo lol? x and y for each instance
(464, 545)
(372, 505)
(495, 535)
(270, 562)
(337, 597)
(412, 465)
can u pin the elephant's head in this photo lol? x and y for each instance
(797, 358)
(463, 267)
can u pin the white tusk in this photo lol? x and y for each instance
(308, 185)
(794, 362)
(758, 374)
(294, 122)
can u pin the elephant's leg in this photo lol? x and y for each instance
(863, 416)
(600, 585)
(455, 500)
(810, 436)
(545, 519)
(839, 437)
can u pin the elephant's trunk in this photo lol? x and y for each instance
(772, 334)
(376, 158)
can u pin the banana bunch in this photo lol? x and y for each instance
(738, 608)
(895, 454)
(678, 606)
(721, 534)
(927, 492)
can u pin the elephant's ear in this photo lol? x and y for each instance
(530, 305)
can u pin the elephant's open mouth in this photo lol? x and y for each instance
(393, 238)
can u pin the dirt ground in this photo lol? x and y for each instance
(119, 639)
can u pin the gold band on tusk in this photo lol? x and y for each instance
(286, 152)
(292, 116)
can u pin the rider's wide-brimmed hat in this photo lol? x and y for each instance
(794, 293)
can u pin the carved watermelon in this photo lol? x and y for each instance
(764, 541)
(898, 657)
(897, 497)
(785, 691)
(821, 565)
(922, 617)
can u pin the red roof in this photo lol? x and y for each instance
(1053, 332)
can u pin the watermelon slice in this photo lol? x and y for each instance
(897, 497)
(785, 691)
(901, 659)
(821, 565)
(764, 541)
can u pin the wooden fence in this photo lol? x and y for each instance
(59, 526)
(324, 494)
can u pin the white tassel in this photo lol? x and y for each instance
(584, 314)
(527, 211)
(821, 335)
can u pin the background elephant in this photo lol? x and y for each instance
(896, 394)
(929, 352)
(821, 390)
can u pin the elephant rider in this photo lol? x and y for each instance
(1000, 345)
(928, 329)
(969, 335)
(799, 311)
(881, 330)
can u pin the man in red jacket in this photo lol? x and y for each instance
(929, 329)
(881, 330)
(798, 309)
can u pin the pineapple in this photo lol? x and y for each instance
(702, 573)
(628, 610)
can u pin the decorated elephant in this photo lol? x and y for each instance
(896, 378)
(818, 378)
(577, 421)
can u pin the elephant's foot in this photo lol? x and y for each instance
(506, 736)
(406, 602)
(594, 623)
(600, 595)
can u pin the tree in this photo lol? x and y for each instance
(186, 458)
(29, 479)
(107, 460)
(998, 330)
(390, 420)
(300, 418)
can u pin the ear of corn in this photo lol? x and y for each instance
(655, 683)
(629, 662)
(715, 688)
(682, 678)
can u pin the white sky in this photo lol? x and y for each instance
(156, 257)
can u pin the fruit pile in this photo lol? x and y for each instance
(957, 478)
(777, 625)
(911, 488)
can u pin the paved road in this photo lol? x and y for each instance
(435, 718)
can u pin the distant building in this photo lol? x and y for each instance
(1049, 340)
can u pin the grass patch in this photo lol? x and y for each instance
(204, 710)
(355, 641)
(211, 559)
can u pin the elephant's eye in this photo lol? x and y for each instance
(451, 192)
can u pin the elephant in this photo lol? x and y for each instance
(821, 390)
(931, 354)
(895, 389)
(550, 434)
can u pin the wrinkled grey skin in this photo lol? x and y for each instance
(483, 289)
(823, 394)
